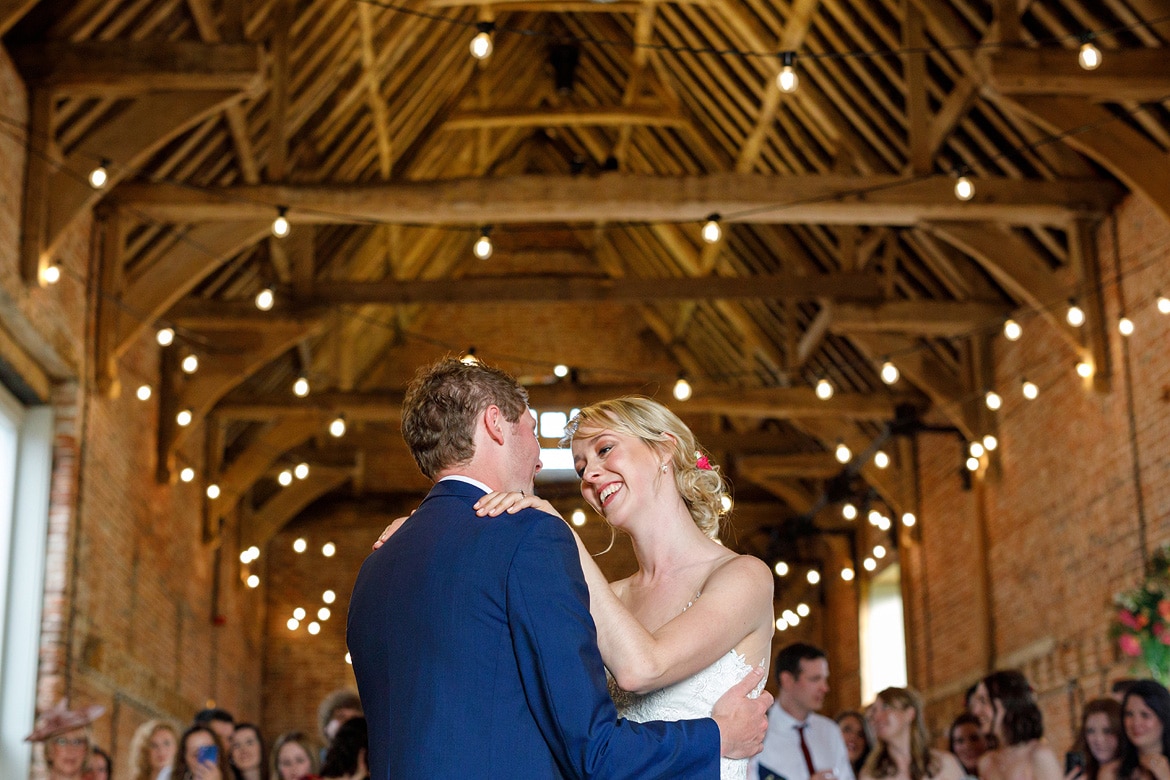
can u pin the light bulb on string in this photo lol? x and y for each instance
(143, 392)
(253, 581)
(577, 518)
(329, 549)
(1089, 56)
(993, 400)
(187, 474)
(842, 453)
(781, 624)
(213, 491)
(560, 371)
(50, 274)
(964, 188)
(1075, 315)
(908, 519)
(781, 569)
(712, 231)
(469, 358)
(802, 609)
(976, 449)
(990, 442)
(1085, 369)
(301, 471)
(881, 459)
(847, 574)
(165, 336)
(329, 597)
(314, 628)
(293, 624)
(883, 523)
(786, 80)
(300, 545)
(1012, 330)
(184, 417)
(972, 464)
(873, 516)
(265, 299)
(190, 364)
(299, 613)
(824, 389)
(849, 511)
(813, 576)
(726, 503)
(280, 226)
(337, 427)
(481, 45)
(324, 613)
(682, 389)
(1163, 304)
(879, 552)
(100, 175)
(889, 372)
(869, 564)
(301, 386)
(285, 478)
(482, 249)
(1125, 326)
(1029, 390)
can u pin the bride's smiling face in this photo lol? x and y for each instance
(618, 472)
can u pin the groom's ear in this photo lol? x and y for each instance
(494, 422)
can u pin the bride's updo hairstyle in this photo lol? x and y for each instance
(700, 484)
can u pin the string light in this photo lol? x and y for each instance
(972, 464)
(481, 45)
(1075, 315)
(792, 618)
(329, 597)
(1084, 369)
(1163, 304)
(1012, 330)
(265, 299)
(100, 175)
(349, 659)
(824, 389)
(482, 248)
(578, 517)
(993, 400)
(908, 519)
(183, 418)
(300, 545)
(781, 624)
(879, 552)
(712, 232)
(869, 564)
(301, 386)
(802, 609)
(990, 443)
(813, 576)
(301, 471)
(781, 569)
(213, 491)
(964, 188)
(1029, 389)
(889, 372)
(293, 624)
(842, 453)
(881, 459)
(337, 427)
(976, 449)
(682, 389)
(143, 392)
(50, 274)
(314, 628)
(849, 512)
(1125, 326)
(560, 371)
(1089, 56)
(253, 581)
(324, 614)
(726, 503)
(165, 337)
(847, 574)
(874, 517)
(883, 523)
(299, 613)
(280, 226)
(328, 549)
(469, 358)
(285, 478)
(190, 364)
(187, 474)
(786, 80)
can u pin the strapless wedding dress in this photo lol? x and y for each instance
(690, 698)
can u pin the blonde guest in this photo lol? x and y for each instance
(902, 751)
(152, 749)
(294, 757)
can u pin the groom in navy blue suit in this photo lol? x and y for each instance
(471, 639)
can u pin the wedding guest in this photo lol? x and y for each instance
(855, 731)
(1099, 739)
(902, 750)
(336, 708)
(219, 721)
(1005, 705)
(247, 752)
(293, 757)
(968, 742)
(1145, 738)
(152, 750)
(65, 735)
(346, 757)
(188, 766)
(99, 765)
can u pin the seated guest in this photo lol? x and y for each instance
(902, 751)
(1099, 740)
(247, 752)
(968, 742)
(347, 754)
(99, 765)
(1006, 707)
(856, 733)
(1145, 738)
(293, 757)
(65, 734)
(152, 750)
(195, 742)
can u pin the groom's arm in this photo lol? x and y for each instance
(555, 643)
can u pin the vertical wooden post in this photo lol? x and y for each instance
(38, 170)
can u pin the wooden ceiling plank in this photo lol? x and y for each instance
(601, 116)
(289, 502)
(374, 100)
(1132, 74)
(804, 465)
(12, 11)
(930, 318)
(255, 459)
(279, 89)
(917, 100)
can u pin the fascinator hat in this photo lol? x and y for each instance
(61, 719)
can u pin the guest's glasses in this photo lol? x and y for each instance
(69, 741)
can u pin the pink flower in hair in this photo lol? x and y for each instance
(701, 461)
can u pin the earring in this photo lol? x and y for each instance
(663, 468)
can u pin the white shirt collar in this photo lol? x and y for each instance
(468, 480)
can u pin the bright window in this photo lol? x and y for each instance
(883, 635)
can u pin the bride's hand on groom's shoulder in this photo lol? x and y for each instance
(390, 529)
(498, 502)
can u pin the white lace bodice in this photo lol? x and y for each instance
(690, 698)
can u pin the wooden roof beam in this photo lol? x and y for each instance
(923, 317)
(12, 11)
(571, 116)
(1131, 74)
(816, 465)
(288, 503)
(758, 199)
(114, 69)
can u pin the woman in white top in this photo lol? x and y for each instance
(903, 751)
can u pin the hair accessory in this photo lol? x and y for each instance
(60, 719)
(701, 461)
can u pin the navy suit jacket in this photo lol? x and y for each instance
(476, 657)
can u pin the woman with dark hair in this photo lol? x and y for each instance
(855, 730)
(99, 765)
(902, 750)
(1145, 736)
(346, 757)
(1005, 705)
(193, 759)
(1099, 740)
(967, 741)
(247, 752)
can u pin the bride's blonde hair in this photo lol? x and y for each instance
(701, 488)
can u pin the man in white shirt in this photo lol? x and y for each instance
(800, 744)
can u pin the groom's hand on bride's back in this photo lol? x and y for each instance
(742, 721)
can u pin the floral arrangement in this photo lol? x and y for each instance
(1142, 626)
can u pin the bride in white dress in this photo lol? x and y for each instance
(695, 617)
